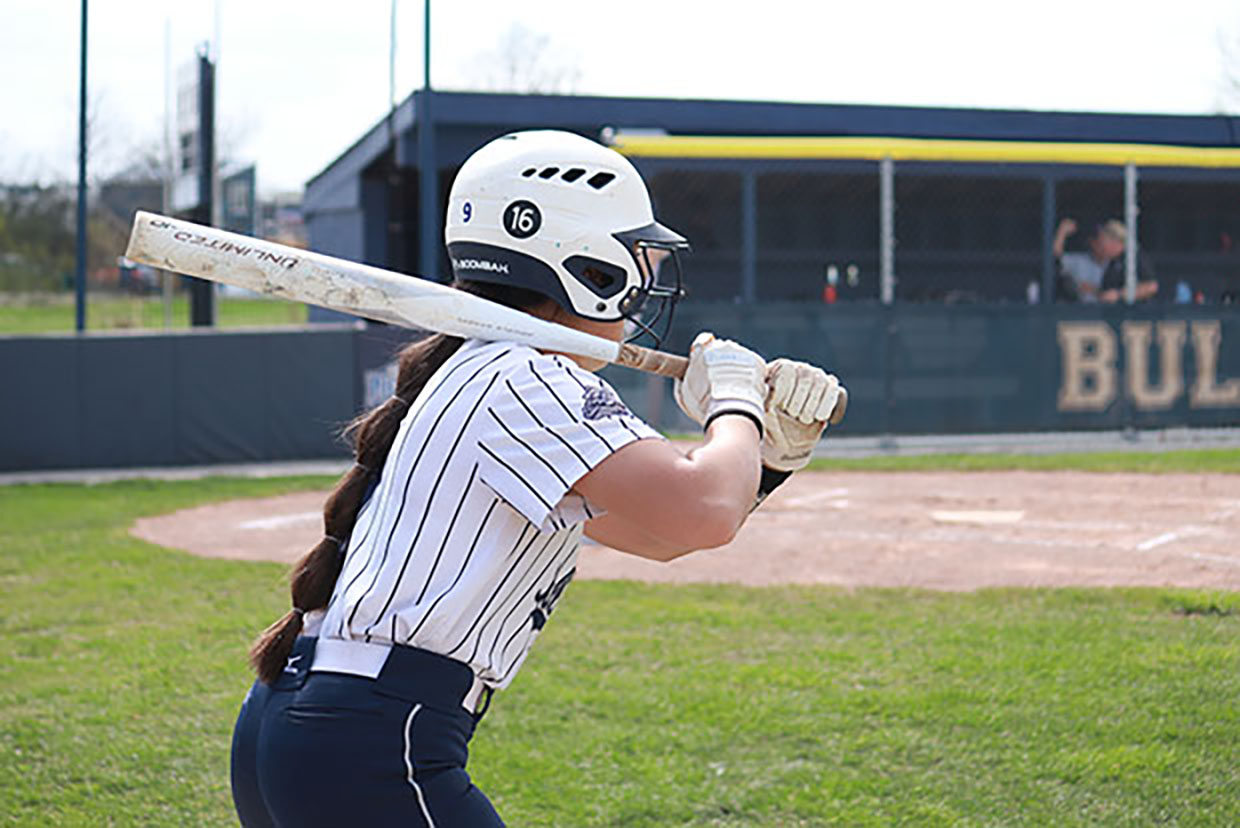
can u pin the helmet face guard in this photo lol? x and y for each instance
(648, 310)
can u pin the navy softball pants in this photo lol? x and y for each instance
(328, 749)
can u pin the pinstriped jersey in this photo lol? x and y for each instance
(471, 534)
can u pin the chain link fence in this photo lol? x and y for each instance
(833, 231)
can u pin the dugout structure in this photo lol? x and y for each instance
(774, 195)
(843, 218)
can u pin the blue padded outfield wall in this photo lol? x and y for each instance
(927, 369)
(126, 400)
(170, 399)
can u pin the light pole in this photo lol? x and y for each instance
(428, 175)
(80, 275)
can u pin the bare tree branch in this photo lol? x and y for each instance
(1229, 81)
(524, 62)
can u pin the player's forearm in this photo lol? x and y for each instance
(730, 462)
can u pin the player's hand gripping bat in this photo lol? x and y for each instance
(371, 292)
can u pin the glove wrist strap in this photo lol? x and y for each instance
(716, 415)
(770, 481)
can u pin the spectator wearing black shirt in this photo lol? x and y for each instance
(1097, 273)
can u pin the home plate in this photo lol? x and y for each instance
(989, 517)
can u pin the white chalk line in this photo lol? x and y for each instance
(987, 517)
(281, 521)
(1158, 540)
(947, 535)
(805, 500)
(1175, 535)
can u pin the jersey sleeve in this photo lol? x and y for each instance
(545, 426)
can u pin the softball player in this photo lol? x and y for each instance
(451, 540)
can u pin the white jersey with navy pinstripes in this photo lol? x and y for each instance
(471, 535)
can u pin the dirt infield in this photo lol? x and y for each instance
(948, 531)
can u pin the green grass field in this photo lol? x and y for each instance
(106, 312)
(123, 666)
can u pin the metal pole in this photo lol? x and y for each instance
(202, 292)
(887, 230)
(887, 285)
(217, 201)
(1049, 211)
(80, 276)
(165, 277)
(428, 240)
(395, 248)
(1130, 219)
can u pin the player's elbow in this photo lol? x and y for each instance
(703, 525)
(720, 525)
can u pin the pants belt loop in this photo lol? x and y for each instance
(487, 693)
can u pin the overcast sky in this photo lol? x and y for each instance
(300, 81)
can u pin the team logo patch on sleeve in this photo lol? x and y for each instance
(598, 403)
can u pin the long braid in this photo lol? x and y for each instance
(314, 576)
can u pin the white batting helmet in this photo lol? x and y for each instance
(559, 214)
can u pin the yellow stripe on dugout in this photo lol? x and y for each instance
(919, 149)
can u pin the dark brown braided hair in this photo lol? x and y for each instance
(314, 576)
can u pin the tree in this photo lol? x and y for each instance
(1229, 83)
(37, 242)
(524, 62)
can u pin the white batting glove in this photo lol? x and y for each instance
(722, 378)
(802, 399)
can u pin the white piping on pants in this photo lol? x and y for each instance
(409, 765)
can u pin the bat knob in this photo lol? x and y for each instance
(841, 408)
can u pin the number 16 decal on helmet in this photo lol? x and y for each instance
(522, 219)
(561, 215)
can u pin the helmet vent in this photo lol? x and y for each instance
(572, 175)
(600, 180)
(529, 172)
(549, 172)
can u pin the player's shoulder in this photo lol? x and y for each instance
(528, 363)
(563, 370)
(532, 374)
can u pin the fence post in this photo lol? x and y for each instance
(887, 230)
(1130, 220)
(887, 272)
(1049, 210)
(887, 318)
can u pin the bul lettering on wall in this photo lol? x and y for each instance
(1137, 357)
(1089, 353)
(1207, 392)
